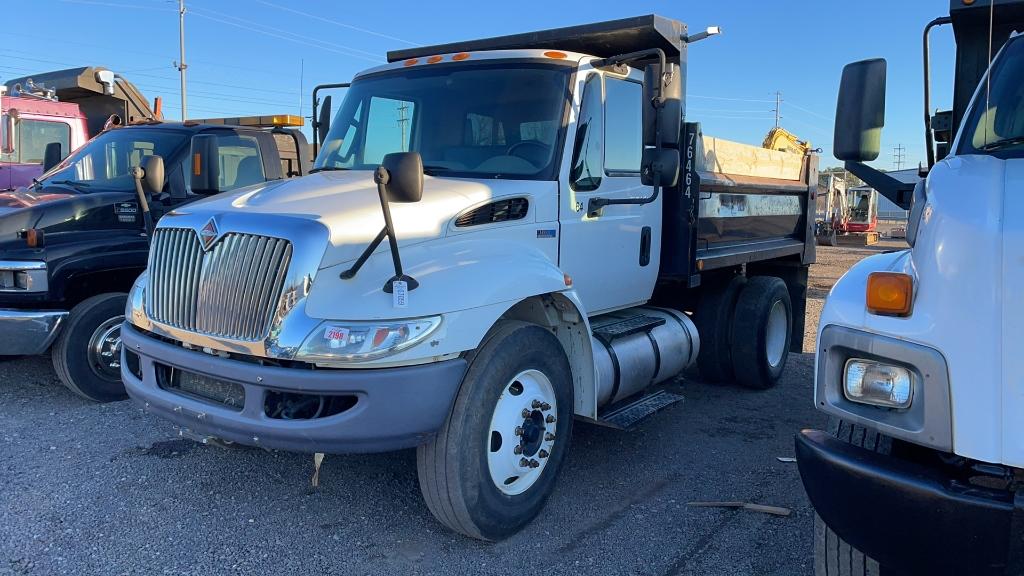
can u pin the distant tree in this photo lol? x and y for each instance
(851, 180)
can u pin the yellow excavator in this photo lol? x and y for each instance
(785, 141)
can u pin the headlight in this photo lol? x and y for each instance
(870, 382)
(23, 276)
(346, 342)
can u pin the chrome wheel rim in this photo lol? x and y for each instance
(521, 437)
(105, 349)
(775, 337)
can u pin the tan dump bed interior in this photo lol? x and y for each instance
(727, 163)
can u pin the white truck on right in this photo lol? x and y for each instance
(920, 362)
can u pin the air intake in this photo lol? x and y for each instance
(500, 211)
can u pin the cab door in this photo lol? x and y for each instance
(612, 256)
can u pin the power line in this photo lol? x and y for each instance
(728, 98)
(778, 107)
(117, 5)
(335, 22)
(811, 112)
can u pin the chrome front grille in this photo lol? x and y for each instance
(229, 291)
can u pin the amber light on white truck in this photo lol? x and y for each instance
(347, 342)
(878, 384)
(890, 293)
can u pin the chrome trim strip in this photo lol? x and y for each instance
(29, 332)
(22, 265)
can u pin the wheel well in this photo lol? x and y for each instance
(559, 314)
(83, 285)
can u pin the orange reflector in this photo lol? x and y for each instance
(568, 280)
(556, 54)
(434, 59)
(890, 293)
(460, 56)
(34, 238)
(411, 62)
(196, 164)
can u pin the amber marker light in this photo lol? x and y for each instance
(890, 293)
(410, 62)
(460, 56)
(434, 59)
(556, 54)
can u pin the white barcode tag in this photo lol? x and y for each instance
(400, 293)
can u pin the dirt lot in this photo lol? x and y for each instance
(106, 489)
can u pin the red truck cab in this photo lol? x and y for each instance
(28, 124)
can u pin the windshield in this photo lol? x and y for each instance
(104, 164)
(501, 120)
(995, 124)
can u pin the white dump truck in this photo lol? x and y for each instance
(558, 242)
(920, 362)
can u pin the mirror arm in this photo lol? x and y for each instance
(900, 193)
(147, 219)
(315, 123)
(928, 138)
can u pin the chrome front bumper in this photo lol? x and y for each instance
(26, 332)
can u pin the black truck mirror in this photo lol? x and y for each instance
(52, 155)
(205, 164)
(404, 176)
(860, 111)
(669, 113)
(665, 162)
(323, 122)
(153, 166)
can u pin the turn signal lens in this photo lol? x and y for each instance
(890, 293)
(35, 238)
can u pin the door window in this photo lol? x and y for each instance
(623, 127)
(389, 128)
(585, 173)
(31, 138)
(240, 161)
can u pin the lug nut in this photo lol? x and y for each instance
(524, 462)
(536, 404)
(526, 413)
(519, 430)
(543, 454)
(517, 450)
(545, 406)
(549, 437)
(534, 463)
(550, 419)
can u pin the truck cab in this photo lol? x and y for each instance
(498, 236)
(27, 126)
(918, 355)
(72, 243)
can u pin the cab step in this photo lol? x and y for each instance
(629, 326)
(628, 414)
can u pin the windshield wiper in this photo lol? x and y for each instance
(431, 168)
(1003, 143)
(73, 183)
(327, 169)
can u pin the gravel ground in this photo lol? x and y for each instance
(106, 489)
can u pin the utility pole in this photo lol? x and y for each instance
(402, 120)
(180, 65)
(899, 155)
(778, 107)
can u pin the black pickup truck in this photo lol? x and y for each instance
(73, 243)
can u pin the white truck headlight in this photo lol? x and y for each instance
(340, 342)
(878, 384)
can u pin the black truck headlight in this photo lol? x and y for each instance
(878, 384)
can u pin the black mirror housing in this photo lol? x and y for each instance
(153, 166)
(665, 161)
(324, 120)
(205, 164)
(52, 155)
(670, 114)
(860, 111)
(404, 176)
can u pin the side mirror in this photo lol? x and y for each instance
(404, 176)
(205, 164)
(52, 155)
(860, 111)
(323, 123)
(10, 121)
(665, 161)
(153, 166)
(669, 116)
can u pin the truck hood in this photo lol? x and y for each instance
(348, 206)
(12, 200)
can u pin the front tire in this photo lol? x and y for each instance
(494, 463)
(87, 354)
(833, 556)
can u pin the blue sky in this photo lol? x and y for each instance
(264, 56)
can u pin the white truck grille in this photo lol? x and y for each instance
(229, 291)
